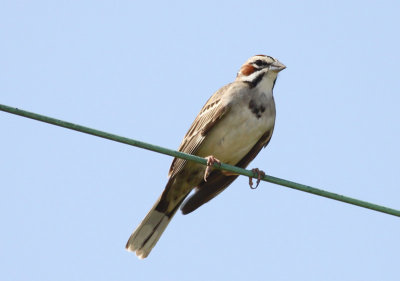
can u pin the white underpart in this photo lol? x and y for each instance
(230, 144)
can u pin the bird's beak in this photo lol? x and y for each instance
(277, 66)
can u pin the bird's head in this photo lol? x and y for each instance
(258, 67)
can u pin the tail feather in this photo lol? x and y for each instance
(146, 235)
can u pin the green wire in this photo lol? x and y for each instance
(200, 160)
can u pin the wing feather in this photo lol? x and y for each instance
(212, 112)
(217, 181)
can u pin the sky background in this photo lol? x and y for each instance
(143, 70)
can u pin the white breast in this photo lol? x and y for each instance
(233, 137)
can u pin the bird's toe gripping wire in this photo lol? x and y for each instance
(260, 174)
(211, 160)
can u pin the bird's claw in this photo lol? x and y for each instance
(260, 174)
(211, 160)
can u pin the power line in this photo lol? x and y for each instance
(198, 159)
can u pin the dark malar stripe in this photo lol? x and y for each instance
(255, 82)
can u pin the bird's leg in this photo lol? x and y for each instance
(260, 174)
(211, 160)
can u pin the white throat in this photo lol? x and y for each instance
(267, 82)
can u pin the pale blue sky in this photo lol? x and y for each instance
(69, 201)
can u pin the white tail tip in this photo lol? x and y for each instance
(146, 235)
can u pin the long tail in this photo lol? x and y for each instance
(146, 235)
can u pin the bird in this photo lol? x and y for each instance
(233, 126)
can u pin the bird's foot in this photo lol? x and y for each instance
(211, 160)
(260, 174)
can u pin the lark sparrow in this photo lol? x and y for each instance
(233, 126)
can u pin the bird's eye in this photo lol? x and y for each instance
(260, 63)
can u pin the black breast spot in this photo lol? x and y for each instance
(256, 109)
